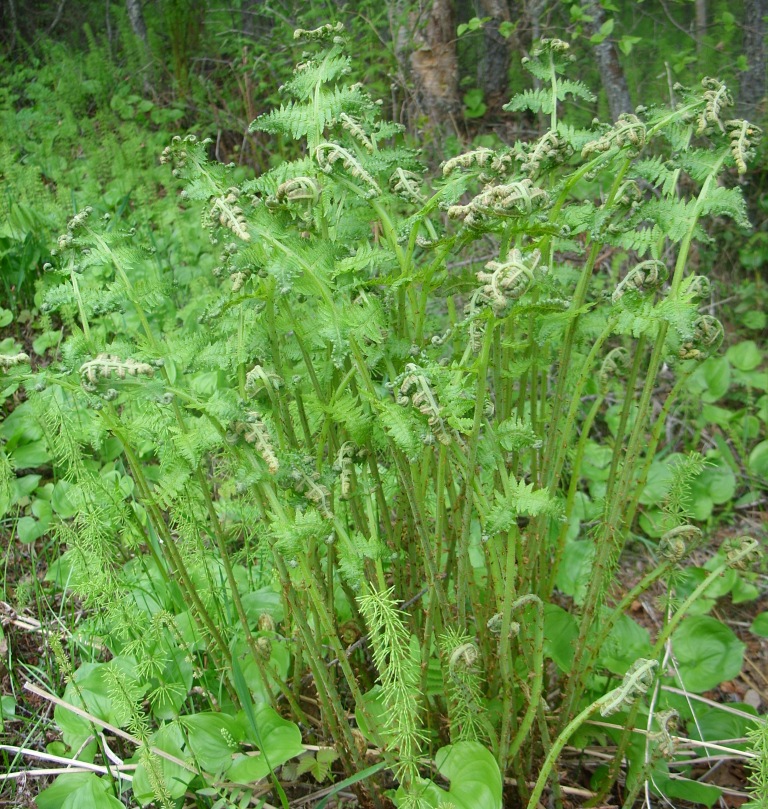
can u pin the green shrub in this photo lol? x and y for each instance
(377, 428)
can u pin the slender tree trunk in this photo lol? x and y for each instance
(139, 27)
(701, 25)
(435, 66)
(752, 80)
(493, 67)
(136, 18)
(611, 72)
(249, 17)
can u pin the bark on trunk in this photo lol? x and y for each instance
(136, 18)
(752, 80)
(493, 67)
(701, 24)
(611, 72)
(435, 67)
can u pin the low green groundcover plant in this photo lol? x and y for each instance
(325, 516)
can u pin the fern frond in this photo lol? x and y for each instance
(333, 66)
(640, 240)
(522, 499)
(658, 172)
(534, 100)
(729, 202)
(673, 216)
(577, 89)
(401, 427)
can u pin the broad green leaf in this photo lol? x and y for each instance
(560, 633)
(686, 789)
(54, 796)
(743, 591)
(627, 43)
(745, 356)
(279, 662)
(708, 653)
(94, 794)
(31, 455)
(6, 317)
(688, 580)
(712, 724)
(754, 319)
(605, 31)
(371, 717)
(62, 504)
(278, 741)
(264, 601)
(209, 735)
(711, 379)
(718, 483)
(760, 625)
(575, 570)
(7, 703)
(473, 774)
(626, 642)
(28, 529)
(758, 461)
(48, 339)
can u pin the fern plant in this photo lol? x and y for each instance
(357, 416)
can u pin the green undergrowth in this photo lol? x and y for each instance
(342, 496)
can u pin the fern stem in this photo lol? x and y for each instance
(464, 568)
(573, 487)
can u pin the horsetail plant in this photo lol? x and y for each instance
(351, 422)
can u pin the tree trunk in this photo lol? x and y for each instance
(752, 80)
(611, 72)
(701, 25)
(136, 17)
(493, 68)
(435, 66)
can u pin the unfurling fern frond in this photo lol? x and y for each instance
(743, 137)
(463, 678)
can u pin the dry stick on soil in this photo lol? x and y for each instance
(33, 689)
(81, 766)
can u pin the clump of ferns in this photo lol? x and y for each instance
(400, 677)
(295, 536)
